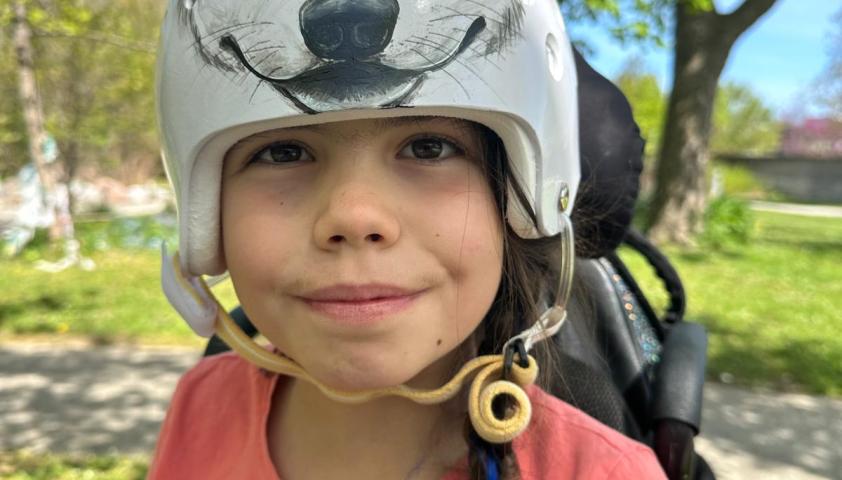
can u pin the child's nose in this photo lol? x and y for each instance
(358, 217)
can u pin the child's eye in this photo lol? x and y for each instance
(282, 154)
(430, 149)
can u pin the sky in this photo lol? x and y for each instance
(778, 57)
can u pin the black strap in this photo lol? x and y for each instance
(516, 347)
(664, 270)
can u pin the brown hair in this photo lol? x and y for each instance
(530, 270)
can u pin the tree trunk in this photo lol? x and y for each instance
(76, 98)
(56, 193)
(703, 41)
(28, 90)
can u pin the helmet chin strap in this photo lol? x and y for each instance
(495, 375)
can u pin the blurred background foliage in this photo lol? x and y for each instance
(94, 64)
(95, 68)
(742, 123)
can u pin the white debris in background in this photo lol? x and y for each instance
(23, 210)
(31, 212)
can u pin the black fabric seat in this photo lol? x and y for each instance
(618, 364)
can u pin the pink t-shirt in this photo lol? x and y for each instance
(216, 429)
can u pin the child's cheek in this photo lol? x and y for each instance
(261, 211)
(464, 225)
(463, 212)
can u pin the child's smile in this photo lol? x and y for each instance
(359, 305)
(365, 250)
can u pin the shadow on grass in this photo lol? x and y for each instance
(800, 365)
(814, 246)
(705, 254)
(99, 400)
(42, 304)
(46, 303)
(692, 256)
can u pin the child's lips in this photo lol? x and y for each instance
(357, 292)
(360, 304)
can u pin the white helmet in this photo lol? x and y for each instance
(231, 68)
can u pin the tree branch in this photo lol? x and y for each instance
(100, 38)
(745, 15)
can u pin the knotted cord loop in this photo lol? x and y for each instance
(486, 386)
(498, 376)
(516, 347)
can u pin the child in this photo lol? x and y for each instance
(387, 183)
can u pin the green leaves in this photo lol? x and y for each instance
(648, 103)
(642, 21)
(699, 6)
(742, 123)
(728, 222)
(628, 20)
(94, 60)
(67, 17)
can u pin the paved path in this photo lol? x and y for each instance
(762, 435)
(112, 399)
(82, 399)
(829, 211)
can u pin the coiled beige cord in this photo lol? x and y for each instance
(192, 298)
(486, 386)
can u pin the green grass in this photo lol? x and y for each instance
(740, 182)
(773, 309)
(119, 301)
(30, 466)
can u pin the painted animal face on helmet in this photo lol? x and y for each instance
(328, 55)
(232, 68)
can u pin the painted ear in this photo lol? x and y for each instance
(183, 9)
(611, 150)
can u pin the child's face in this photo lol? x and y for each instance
(364, 250)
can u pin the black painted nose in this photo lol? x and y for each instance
(348, 29)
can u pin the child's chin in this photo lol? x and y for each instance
(358, 380)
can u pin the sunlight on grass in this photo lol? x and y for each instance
(120, 301)
(772, 308)
(30, 466)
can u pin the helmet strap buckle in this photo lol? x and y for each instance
(518, 348)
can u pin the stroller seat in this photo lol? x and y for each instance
(631, 371)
